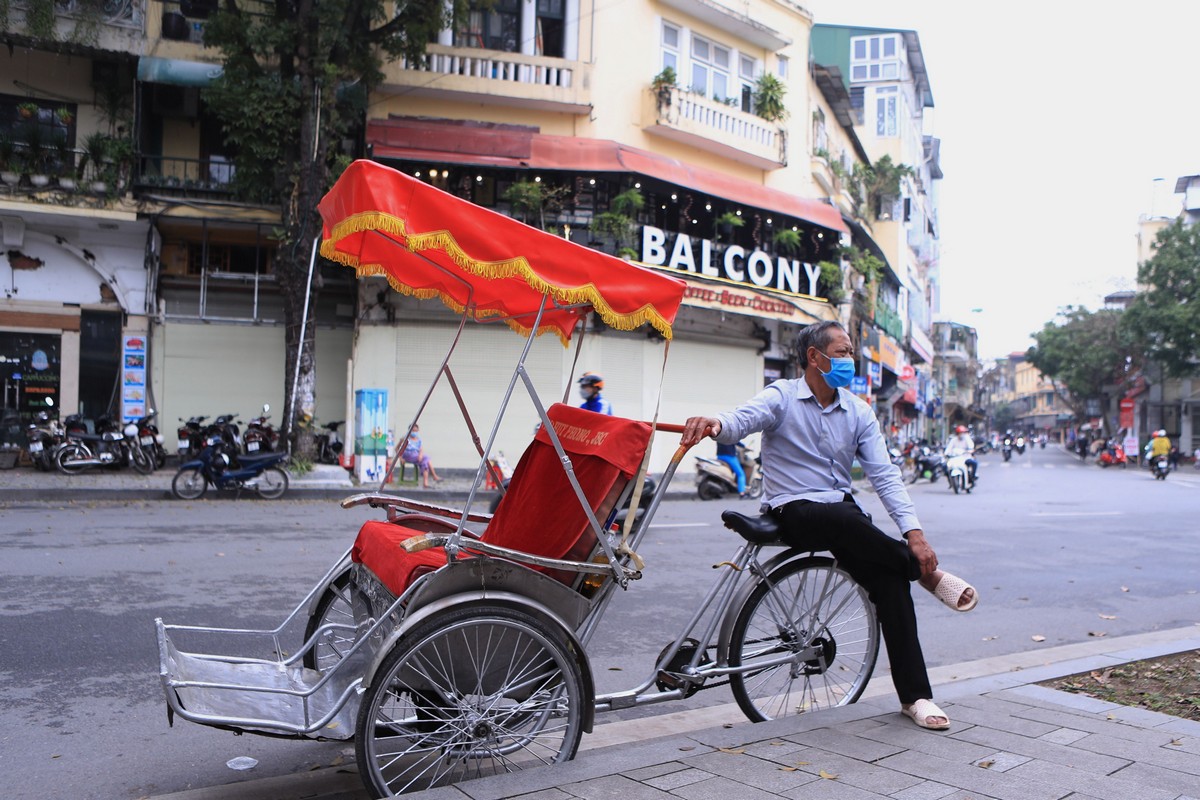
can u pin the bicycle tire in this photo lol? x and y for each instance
(472, 691)
(334, 607)
(807, 602)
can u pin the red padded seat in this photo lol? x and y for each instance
(540, 513)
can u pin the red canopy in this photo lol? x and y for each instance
(432, 244)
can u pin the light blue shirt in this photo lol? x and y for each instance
(807, 451)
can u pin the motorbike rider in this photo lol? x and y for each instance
(729, 454)
(589, 389)
(960, 444)
(1160, 445)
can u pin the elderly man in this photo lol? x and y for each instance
(813, 428)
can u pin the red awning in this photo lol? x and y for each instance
(432, 244)
(521, 148)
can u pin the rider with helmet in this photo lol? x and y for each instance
(962, 444)
(589, 389)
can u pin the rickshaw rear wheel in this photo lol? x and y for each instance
(470, 692)
(806, 606)
(335, 606)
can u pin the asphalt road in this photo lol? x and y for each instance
(1057, 549)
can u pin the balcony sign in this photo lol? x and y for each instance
(710, 259)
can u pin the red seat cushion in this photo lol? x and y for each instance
(540, 513)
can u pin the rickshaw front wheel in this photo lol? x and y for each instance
(814, 609)
(470, 692)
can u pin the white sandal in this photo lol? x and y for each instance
(950, 590)
(920, 713)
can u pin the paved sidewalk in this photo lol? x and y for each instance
(1009, 740)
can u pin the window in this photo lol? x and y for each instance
(886, 108)
(550, 28)
(747, 69)
(710, 69)
(670, 46)
(820, 133)
(496, 27)
(781, 67)
(875, 58)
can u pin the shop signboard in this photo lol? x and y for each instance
(858, 385)
(370, 433)
(890, 354)
(874, 372)
(1126, 420)
(133, 377)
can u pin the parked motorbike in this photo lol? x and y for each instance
(715, 478)
(907, 465)
(229, 432)
(959, 474)
(328, 443)
(930, 464)
(260, 435)
(1160, 466)
(107, 446)
(43, 437)
(217, 467)
(150, 439)
(191, 437)
(1112, 456)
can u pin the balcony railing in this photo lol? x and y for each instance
(119, 13)
(889, 321)
(497, 77)
(713, 126)
(184, 177)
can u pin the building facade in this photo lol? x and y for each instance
(698, 138)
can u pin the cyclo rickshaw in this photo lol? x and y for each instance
(451, 644)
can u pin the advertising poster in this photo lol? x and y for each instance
(133, 378)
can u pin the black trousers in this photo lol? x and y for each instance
(880, 564)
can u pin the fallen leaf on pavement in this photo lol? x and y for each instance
(788, 769)
(732, 751)
(986, 764)
(829, 776)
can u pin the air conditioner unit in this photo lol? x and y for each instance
(175, 101)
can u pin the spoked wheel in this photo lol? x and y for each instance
(272, 483)
(334, 607)
(140, 460)
(67, 458)
(811, 608)
(470, 692)
(189, 484)
(908, 472)
(709, 489)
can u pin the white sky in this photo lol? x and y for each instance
(1055, 118)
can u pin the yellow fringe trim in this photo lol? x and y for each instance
(491, 270)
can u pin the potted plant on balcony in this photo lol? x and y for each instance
(787, 241)
(769, 92)
(97, 153)
(10, 161)
(64, 115)
(618, 221)
(27, 110)
(36, 159)
(64, 162)
(727, 222)
(830, 281)
(663, 84)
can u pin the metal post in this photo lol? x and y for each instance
(300, 345)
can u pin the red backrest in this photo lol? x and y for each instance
(540, 513)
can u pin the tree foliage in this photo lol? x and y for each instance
(296, 77)
(1084, 353)
(1165, 316)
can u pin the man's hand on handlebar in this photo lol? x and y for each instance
(696, 428)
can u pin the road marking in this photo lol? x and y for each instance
(1077, 513)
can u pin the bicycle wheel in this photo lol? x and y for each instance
(272, 483)
(470, 692)
(189, 484)
(812, 608)
(334, 607)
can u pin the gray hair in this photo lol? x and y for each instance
(816, 335)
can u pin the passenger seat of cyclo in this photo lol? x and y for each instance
(540, 514)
